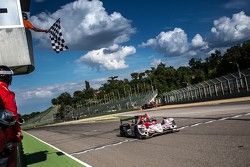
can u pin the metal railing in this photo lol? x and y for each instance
(232, 85)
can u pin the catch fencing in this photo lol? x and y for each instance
(133, 101)
(232, 85)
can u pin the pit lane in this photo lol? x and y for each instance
(216, 135)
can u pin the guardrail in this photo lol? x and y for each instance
(232, 85)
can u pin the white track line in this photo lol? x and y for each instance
(236, 116)
(207, 122)
(70, 156)
(102, 147)
(183, 127)
(195, 124)
(222, 119)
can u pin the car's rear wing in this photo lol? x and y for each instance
(128, 119)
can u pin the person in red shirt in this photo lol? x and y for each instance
(27, 24)
(12, 132)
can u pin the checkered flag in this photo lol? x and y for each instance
(56, 37)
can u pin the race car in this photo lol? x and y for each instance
(142, 126)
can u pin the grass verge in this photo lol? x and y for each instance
(38, 154)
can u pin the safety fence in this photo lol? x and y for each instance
(232, 85)
(133, 101)
(46, 117)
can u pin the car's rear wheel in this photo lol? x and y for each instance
(138, 135)
(123, 129)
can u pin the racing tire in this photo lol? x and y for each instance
(123, 130)
(122, 133)
(137, 134)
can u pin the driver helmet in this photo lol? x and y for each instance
(25, 15)
(6, 74)
(6, 118)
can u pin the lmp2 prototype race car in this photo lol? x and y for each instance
(142, 127)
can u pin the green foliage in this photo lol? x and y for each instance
(55, 101)
(64, 98)
(29, 116)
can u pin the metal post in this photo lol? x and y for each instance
(204, 90)
(246, 84)
(215, 87)
(221, 84)
(238, 68)
(175, 96)
(196, 90)
(245, 78)
(168, 98)
(183, 94)
(209, 88)
(229, 87)
(237, 84)
(180, 95)
(239, 73)
(188, 94)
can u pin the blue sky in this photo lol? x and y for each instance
(117, 37)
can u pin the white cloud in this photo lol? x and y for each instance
(198, 42)
(37, 99)
(86, 25)
(43, 93)
(232, 29)
(170, 42)
(111, 58)
(156, 62)
(175, 43)
(221, 49)
(97, 83)
(48, 91)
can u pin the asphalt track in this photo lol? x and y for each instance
(214, 135)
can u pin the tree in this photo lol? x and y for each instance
(141, 75)
(87, 85)
(212, 64)
(54, 101)
(134, 75)
(196, 63)
(65, 98)
(199, 76)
